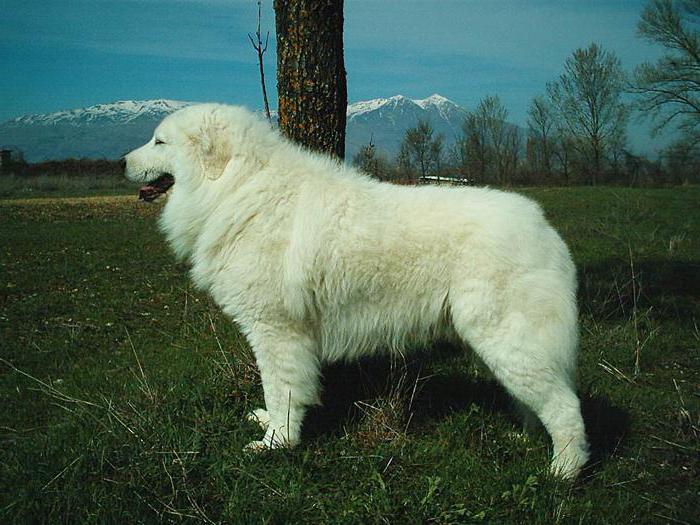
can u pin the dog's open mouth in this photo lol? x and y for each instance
(156, 188)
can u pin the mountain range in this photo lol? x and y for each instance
(110, 130)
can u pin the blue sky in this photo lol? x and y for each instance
(60, 54)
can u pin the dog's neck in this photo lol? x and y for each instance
(183, 218)
(191, 206)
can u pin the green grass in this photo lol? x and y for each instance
(32, 186)
(123, 391)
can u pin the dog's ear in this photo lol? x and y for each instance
(213, 149)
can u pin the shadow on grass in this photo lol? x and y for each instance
(439, 394)
(431, 395)
(607, 290)
(606, 426)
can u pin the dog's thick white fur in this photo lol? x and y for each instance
(319, 263)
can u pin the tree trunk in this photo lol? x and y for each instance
(596, 161)
(311, 82)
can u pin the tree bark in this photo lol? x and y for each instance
(311, 84)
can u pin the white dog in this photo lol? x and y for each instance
(319, 263)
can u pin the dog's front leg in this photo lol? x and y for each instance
(289, 369)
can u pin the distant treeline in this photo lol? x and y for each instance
(429, 163)
(576, 128)
(15, 165)
(493, 152)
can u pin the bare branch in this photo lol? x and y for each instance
(669, 89)
(260, 49)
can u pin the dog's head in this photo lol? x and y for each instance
(188, 147)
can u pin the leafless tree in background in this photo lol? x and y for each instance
(421, 151)
(491, 146)
(495, 114)
(436, 147)
(564, 153)
(540, 123)
(473, 147)
(669, 89)
(588, 99)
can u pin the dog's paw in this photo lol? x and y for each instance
(257, 447)
(569, 462)
(259, 416)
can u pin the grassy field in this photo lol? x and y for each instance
(123, 391)
(32, 186)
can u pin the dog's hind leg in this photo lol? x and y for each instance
(532, 353)
(289, 370)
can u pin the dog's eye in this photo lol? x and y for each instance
(158, 141)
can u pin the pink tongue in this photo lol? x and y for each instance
(151, 191)
(148, 193)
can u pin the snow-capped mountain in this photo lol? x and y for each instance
(100, 131)
(384, 121)
(110, 130)
(119, 112)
